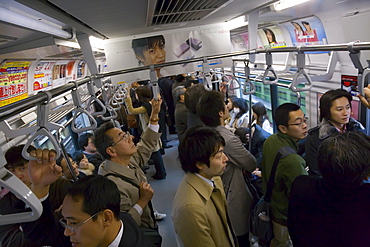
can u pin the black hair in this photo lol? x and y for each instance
(300, 27)
(83, 140)
(144, 93)
(209, 106)
(78, 156)
(59, 160)
(281, 116)
(180, 78)
(344, 158)
(192, 96)
(143, 82)
(260, 110)
(242, 105)
(98, 193)
(266, 30)
(102, 141)
(326, 101)
(143, 44)
(14, 156)
(199, 145)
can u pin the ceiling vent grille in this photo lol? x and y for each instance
(161, 12)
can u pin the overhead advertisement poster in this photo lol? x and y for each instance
(271, 37)
(43, 75)
(13, 81)
(164, 48)
(306, 31)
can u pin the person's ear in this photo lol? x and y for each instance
(200, 166)
(111, 151)
(283, 129)
(108, 217)
(140, 58)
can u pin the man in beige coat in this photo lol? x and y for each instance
(124, 158)
(199, 209)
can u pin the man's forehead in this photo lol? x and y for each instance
(298, 114)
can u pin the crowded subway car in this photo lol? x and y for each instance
(184, 123)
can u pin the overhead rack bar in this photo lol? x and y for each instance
(22, 105)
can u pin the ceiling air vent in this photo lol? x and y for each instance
(161, 12)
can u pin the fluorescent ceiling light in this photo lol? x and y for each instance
(26, 22)
(237, 22)
(96, 42)
(284, 4)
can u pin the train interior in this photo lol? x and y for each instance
(66, 52)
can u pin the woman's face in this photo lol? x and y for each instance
(340, 112)
(84, 163)
(269, 36)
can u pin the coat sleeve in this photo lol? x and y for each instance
(191, 221)
(238, 155)
(148, 144)
(311, 148)
(131, 109)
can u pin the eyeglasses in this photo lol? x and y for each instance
(302, 122)
(126, 136)
(63, 222)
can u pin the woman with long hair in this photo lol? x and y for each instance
(260, 117)
(144, 94)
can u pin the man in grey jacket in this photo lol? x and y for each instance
(212, 110)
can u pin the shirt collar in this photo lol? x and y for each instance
(117, 240)
(208, 181)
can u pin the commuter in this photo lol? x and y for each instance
(86, 145)
(84, 166)
(199, 211)
(90, 211)
(365, 99)
(145, 95)
(166, 87)
(66, 171)
(150, 50)
(12, 234)
(291, 124)
(181, 112)
(240, 115)
(212, 110)
(335, 116)
(333, 210)
(179, 81)
(123, 157)
(260, 117)
(192, 96)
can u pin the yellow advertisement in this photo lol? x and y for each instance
(13, 81)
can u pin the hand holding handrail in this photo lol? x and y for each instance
(79, 110)
(295, 82)
(21, 191)
(269, 69)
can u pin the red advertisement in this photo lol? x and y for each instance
(13, 81)
(43, 75)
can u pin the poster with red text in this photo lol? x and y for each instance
(43, 75)
(13, 81)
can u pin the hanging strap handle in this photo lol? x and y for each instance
(248, 82)
(79, 110)
(269, 69)
(301, 72)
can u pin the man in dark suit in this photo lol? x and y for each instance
(90, 210)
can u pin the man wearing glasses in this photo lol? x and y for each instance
(90, 210)
(292, 127)
(125, 159)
